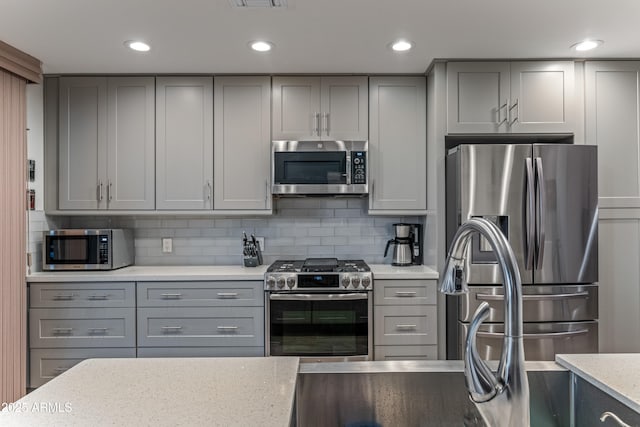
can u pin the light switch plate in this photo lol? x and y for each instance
(167, 245)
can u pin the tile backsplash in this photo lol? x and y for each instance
(299, 228)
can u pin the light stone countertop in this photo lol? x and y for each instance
(234, 391)
(154, 273)
(616, 374)
(388, 271)
(214, 272)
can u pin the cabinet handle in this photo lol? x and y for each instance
(317, 129)
(227, 328)
(266, 192)
(617, 419)
(60, 370)
(63, 297)
(406, 293)
(109, 185)
(168, 329)
(208, 190)
(169, 296)
(326, 123)
(98, 297)
(100, 191)
(98, 330)
(227, 294)
(506, 107)
(517, 107)
(406, 327)
(62, 330)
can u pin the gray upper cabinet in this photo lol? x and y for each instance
(320, 108)
(612, 96)
(242, 143)
(503, 97)
(106, 143)
(184, 143)
(397, 145)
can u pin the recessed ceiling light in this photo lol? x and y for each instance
(587, 45)
(261, 46)
(137, 45)
(401, 45)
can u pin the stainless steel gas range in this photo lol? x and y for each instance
(319, 309)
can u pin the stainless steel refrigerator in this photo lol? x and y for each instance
(544, 198)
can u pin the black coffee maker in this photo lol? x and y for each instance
(407, 244)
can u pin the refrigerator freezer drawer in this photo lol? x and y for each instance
(539, 303)
(542, 341)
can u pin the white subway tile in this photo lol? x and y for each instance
(334, 240)
(320, 231)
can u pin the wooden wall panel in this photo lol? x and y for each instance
(13, 301)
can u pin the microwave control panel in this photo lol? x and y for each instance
(358, 167)
(103, 249)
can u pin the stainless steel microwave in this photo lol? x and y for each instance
(319, 167)
(87, 249)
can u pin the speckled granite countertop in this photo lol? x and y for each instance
(616, 374)
(234, 391)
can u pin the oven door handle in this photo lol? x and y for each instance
(318, 297)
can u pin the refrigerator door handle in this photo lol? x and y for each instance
(538, 297)
(529, 215)
(535, 336)
(540, 218)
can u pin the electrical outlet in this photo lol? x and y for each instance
(167, 245)
(260, 241)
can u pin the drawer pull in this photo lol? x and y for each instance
(614, 417)
(98, 297)
(171, 328)
(170, 296)
(406, 293)
(60, 370)
(227, 328)
(98, 330)
(228, 294)
(406, 327)
(63, 297)
(62, 330)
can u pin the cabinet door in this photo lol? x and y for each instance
(242, 141)
(477, 97)
(344, 108)
(296, 108)
(131, 143)
(82, 142)
(542, 97)
(612, 96)
(184, 142)
(398, 144)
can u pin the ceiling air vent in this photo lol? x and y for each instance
(245, 4)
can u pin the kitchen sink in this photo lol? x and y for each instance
(413, 393)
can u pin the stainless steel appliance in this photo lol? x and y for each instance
(319, 167)
(544, 199)
(319, 309)
(87, 249)
(407, 244)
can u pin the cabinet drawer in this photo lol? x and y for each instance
(201, 352)
(82, 294)
(201, 327)
(405, 325)
(405, 292)
(406, 352)
(45, 364)
(200, 294)
(82, 327)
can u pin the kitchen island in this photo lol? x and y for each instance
(163, 392)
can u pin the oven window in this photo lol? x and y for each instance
(319, 328)
(311, 167)
(72, 249)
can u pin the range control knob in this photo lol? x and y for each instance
(291, 282)
(355, 281)
(366, 281)
(271, 282)
(346, 281)
(281, 282)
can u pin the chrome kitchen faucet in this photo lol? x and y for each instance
(501, 398)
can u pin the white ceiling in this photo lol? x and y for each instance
(311, 36)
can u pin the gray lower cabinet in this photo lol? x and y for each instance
(405, 320)
(70, 322)
(591, 403)
(200, 318)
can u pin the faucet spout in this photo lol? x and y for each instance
(501, 398)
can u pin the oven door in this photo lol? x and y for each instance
(320, 326)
